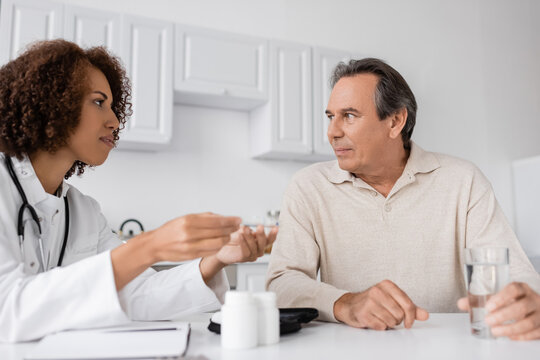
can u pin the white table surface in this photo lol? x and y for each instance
(443, 336)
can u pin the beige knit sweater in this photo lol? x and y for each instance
(337, 224)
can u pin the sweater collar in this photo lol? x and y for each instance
(419, 161)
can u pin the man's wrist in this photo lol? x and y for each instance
(340, 307)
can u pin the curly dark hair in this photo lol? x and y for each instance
(41, 95)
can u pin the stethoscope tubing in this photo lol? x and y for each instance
(20, 218)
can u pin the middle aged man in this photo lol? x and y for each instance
(386, 224)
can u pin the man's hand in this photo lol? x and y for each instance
(246, 245)
(381, 307)
(513, 312)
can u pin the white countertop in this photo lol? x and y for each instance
(443, 336)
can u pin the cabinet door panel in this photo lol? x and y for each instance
(227, 63)
(292, 91)
(219, 69)
(89, 28)
(147, 50)
(324, 62)
(26, 21)
(251, 277)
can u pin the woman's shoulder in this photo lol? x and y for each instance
(79, 199)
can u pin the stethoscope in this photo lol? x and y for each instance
(21, 223)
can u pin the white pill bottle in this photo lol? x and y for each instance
(268, 317)
(239, 321)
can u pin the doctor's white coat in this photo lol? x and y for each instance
(81, 293)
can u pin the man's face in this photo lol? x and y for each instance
(355, 131)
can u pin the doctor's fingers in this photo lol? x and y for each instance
(209, 220)
(403, 300)
(200, 234)
(204, 247)
(188, 250)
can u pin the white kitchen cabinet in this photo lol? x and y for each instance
(147, 52)
(87, 28)
(145, 48)
(252, 276)
(324, 62)
(26, 21)
(144, 45)
(282, 128)
(285, 128)
(219, 69)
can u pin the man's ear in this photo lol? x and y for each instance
(397, 122)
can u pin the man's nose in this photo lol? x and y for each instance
(334, 129)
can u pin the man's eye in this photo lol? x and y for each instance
(330, 117)
(349, 116)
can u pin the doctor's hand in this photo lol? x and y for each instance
(381, 307)
(245, 245)
(194, 235)
(513, 312)
(184, 238)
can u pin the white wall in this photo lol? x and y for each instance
(206, 169)
(473, 66)
(527, 200)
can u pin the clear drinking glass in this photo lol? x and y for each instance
(487, 272)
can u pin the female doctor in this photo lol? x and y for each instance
(61, 267)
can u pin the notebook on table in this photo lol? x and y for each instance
(132, 341)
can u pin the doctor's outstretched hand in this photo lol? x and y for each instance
(245, 245)
(194, 235)
(184, 238)
(514, 312)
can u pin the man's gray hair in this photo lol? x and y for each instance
(391, 94)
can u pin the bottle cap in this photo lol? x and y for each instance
(265, 298)
(238, 298)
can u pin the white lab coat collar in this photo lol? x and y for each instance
(35, 192)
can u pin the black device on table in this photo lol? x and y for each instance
(290, 320)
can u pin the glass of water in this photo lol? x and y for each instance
(487, 272)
